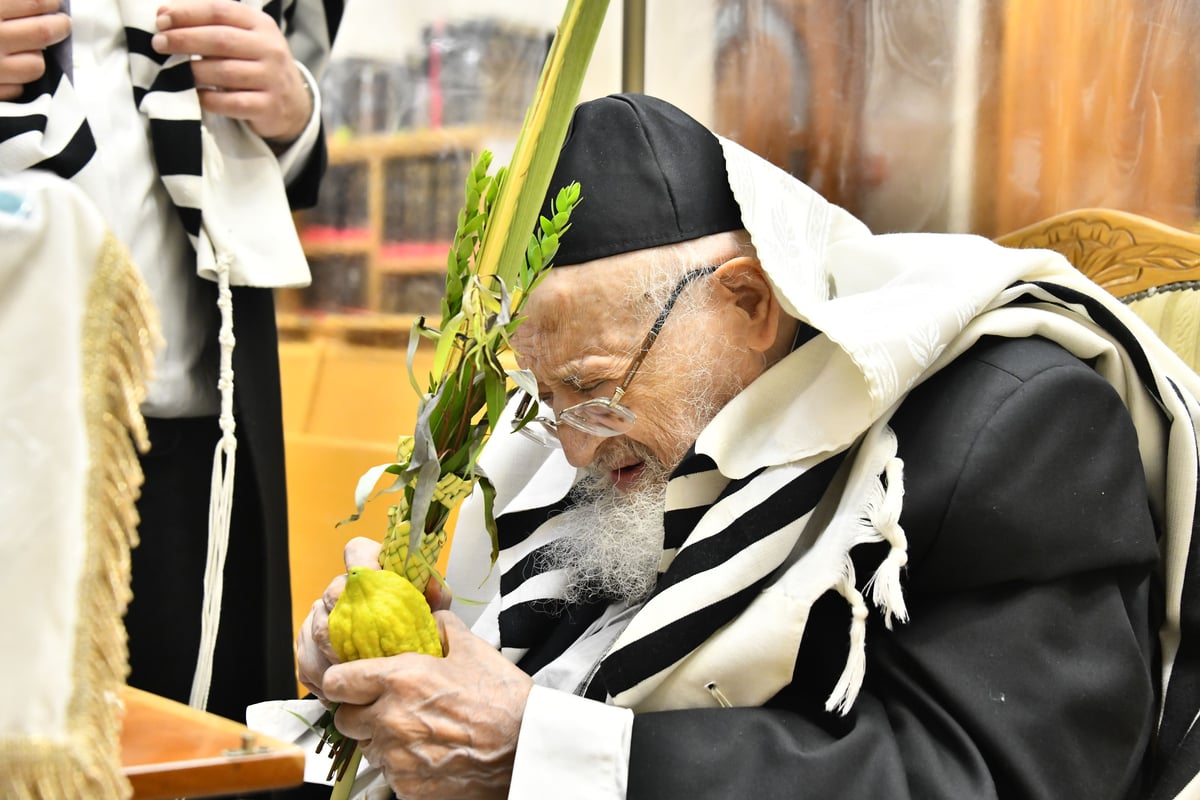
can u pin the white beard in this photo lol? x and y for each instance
(612, 541)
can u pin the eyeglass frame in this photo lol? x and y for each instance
(611, 403)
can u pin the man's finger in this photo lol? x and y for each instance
(229, 74)
(196, 13)
(209, 41)
(353, 721)
(12, 9)
(332, 592)
(314, 654)
(362, 552)
(31, 34)
(354, 682)
(438, 595)
(21, 69)
(362, 682)
(235, 104)
(451, 622)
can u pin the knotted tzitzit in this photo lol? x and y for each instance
(220, 508)
(194, 150)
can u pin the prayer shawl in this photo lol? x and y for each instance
(222, 177)
(739, 572)
(77, 340)
(225, 184)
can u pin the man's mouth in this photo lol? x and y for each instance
(624, 478)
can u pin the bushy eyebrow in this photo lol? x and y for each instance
(576, 374)
(580, 381)
(571, 380)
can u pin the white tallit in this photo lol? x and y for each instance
(77, 338)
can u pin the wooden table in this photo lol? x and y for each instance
(171, 750)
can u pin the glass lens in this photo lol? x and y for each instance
(599, 418)
(538, 432)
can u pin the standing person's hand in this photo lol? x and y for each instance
(244, 70)
(26, 28)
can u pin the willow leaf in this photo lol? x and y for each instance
(445, 345)
(414, 340)
(424, 463)
(362, 491)
(497, 391)
(489, 498)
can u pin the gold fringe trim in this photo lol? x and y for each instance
(120, 336)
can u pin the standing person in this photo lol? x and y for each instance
(194, 126)
(846, 515)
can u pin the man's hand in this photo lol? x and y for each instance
(437, 727)
(26, 28)
(244, 70)
(314, 653)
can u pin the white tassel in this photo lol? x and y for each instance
(870, 512)
(848, 685)
(221, 498)
(884, 585)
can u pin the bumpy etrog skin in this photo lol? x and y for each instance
(380, 614)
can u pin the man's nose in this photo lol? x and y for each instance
(579, 447)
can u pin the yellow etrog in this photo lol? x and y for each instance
(379, 614)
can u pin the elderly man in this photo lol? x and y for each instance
(850, 515)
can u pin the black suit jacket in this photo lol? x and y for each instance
(1028, 667)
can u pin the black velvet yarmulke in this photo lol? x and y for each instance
(649, 175)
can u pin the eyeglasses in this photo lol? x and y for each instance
(600, 416)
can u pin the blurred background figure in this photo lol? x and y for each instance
(141, 104)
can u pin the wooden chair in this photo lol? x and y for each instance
(1152, 267)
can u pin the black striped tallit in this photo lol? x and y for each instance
(1177, 752)
(45, 128)
(543, 629)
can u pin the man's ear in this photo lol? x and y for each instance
(747, 288)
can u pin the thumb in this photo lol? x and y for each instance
(437, 594)
(454, 631)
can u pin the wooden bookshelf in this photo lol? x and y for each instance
(378, 240)
(382, 330)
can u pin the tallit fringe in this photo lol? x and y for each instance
(120, 335)
(884, 585)
(45, 770)
(879, 520)
(846, 690)
(220, 506)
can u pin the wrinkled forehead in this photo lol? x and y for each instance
(603, 307)
(580, 310)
